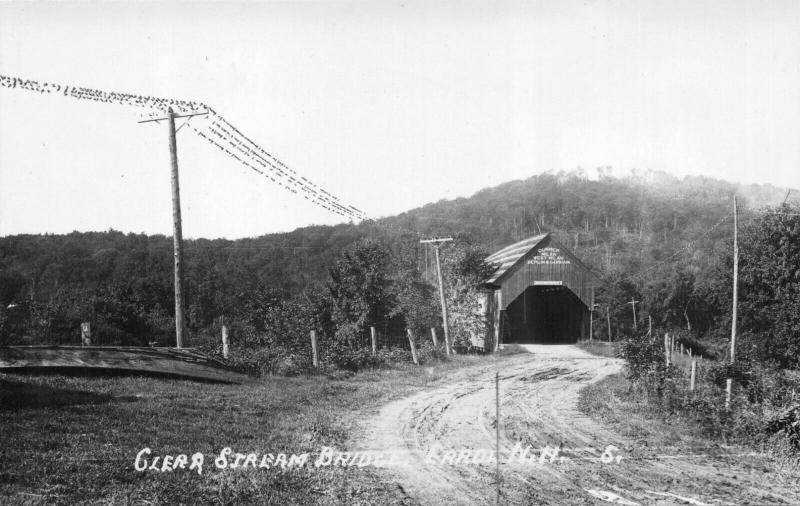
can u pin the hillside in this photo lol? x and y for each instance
(650, 223)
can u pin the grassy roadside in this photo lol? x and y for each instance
(68, 440)
(617, 404)
(601, 348)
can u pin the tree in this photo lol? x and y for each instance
(464, 270)
(361, 293)
(615, 296)
(417, 302)
(672, 300)
(770, 284)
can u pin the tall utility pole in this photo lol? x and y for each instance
(633, 303)
(177, 233)
(436, 244)
(735, 277)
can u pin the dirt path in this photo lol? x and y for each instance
(446, 441)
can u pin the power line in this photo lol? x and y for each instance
(244, 150)
(273, 169)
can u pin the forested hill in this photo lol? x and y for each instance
(617, 225)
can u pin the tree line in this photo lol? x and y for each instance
(651, 237)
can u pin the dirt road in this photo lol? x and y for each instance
(446, 439)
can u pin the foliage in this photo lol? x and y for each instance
(345, 357)
(770, 284)
(759, 391)
(614, 297)
(464, 269)
(361, 292)
(417, 299)
(700, 348)
(788, 424)
(650, 236)
(644, 359)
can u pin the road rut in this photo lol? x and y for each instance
(445, 435)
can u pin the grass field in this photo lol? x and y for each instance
(68, 439)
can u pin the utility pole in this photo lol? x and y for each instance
(436, 244)
(735, 277)
(633, 303)
(177, 233)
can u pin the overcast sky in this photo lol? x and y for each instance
(387, 105)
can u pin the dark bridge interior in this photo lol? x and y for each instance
(545, 314)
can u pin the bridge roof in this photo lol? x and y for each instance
(507, 257)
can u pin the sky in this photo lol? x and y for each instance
(387, 105)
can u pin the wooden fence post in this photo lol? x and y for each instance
(694, 370)
(728, 388)
(374, 338)
(666, 348)
(413, 347)
(433, 336)
(314, 351)
(225, 342)
(86, 334)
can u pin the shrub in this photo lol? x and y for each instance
(788, 425)
(350, 358)
(719, 372)
(426, 353)
(644, 357)
(394, 355)
(265, 360)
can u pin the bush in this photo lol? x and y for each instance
(346, 357)
(787, 424)
(644, 357)
(264, 361)
(760, 392)
(394, 355)
(426, 353)
(719, 372)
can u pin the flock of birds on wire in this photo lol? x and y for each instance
(215, 129)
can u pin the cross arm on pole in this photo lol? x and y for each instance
(175, 116)
(436, 241)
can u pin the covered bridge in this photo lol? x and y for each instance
(540, 292)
